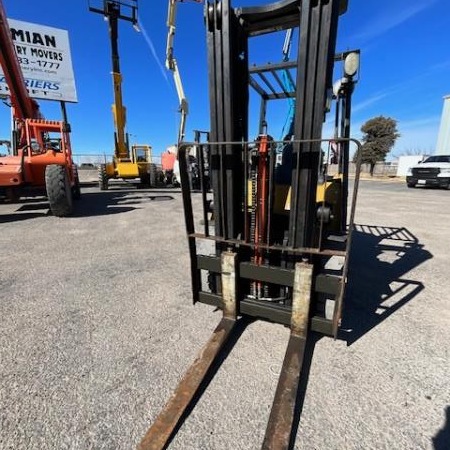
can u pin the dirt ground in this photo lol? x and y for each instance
(97, 327)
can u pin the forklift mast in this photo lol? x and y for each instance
(275, 215)
(228, 33)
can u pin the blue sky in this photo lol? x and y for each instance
(405, 66)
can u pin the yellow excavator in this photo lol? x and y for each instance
(128, 163)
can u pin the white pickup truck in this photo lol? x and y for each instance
(433, 171)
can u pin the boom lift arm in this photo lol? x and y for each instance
(128, 163)
(119, 112)
(171, 64)
(112, 13)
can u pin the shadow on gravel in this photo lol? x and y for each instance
(167, 190)
(379, 259)
(91, 204)
(442, 439)
(17, 217)
(28, 207)
(35, 199)
(113, 202)
(43, 205)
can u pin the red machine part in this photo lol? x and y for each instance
(24, 107)
(168, 160)
(261, 196)
(29, 165)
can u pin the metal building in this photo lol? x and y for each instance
(443, 141)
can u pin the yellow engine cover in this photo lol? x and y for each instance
(329, 193)
(127, 170)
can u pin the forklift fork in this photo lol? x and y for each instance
(281, 418)
(171, 417)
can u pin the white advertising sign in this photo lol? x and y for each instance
(44, 55)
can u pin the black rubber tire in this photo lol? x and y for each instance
(13, 195)
(102, 178)
(153, 175)
(59, 192)
(411, 185)
(145, 180)
(76, 191)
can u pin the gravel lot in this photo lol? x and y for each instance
(97, 327)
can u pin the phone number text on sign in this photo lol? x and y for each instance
(44, 56)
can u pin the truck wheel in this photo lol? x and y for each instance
(411, 185)
(102, 178)
(59, 192)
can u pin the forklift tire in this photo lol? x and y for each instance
(59, 192)
(102, 178)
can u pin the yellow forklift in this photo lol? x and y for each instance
(134, 163)
(278, 243)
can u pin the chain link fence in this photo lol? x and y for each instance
(88, 165)
(92, 161)
(89, 162)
